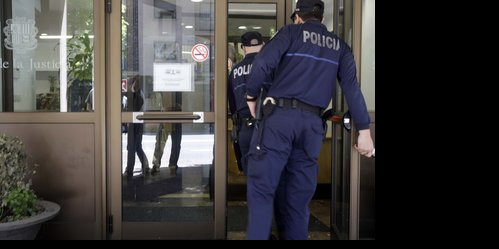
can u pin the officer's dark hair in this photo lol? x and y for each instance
(316, 14)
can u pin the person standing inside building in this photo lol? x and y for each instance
(306, 60)
(135, 131)
(172, 102)
(251, 43)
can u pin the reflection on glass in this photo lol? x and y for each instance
(180, 190)
(135, 103)
(51, 60)
(175, 132)
(170, 44)
(244, 17)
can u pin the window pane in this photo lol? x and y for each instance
(48, 56)
(168, 172)
(168, 66)
(168, 54)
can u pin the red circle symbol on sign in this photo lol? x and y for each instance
(200, 53)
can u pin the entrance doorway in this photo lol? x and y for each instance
(167, 158)
(265, 17)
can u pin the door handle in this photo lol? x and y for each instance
(169, 117)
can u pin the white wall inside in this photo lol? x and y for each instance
(368, 70)
(31, 68)
(328, 14)
(47, 62)
(24, 75)
(47, 55)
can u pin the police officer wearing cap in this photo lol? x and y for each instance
(306, 61)
(251, 43)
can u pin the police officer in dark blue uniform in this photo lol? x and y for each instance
(306, 60)
(251, 43)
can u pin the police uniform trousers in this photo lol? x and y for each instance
(284, 173)
(245, 135)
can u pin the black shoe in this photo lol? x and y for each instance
(146, 171)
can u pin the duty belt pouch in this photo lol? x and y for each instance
(268, 109)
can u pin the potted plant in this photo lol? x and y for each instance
(21, 212)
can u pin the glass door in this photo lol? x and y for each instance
(169, 179)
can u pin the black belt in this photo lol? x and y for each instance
(296, 104)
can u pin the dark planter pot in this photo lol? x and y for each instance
(28, 229)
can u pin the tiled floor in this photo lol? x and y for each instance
(319, 223)
(321, 209)
(189, 200)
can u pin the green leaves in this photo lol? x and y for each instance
(15, 174)
(80, 57)
(21, 202)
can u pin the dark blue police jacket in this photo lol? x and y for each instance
(306, 60)
(237, 86)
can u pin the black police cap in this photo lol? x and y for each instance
(304, 6)
(251, 39)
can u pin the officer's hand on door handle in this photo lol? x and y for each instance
(365, 144)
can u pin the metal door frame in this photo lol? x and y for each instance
(354, 155)
(349, 154)
(115, 118)
(281, 8)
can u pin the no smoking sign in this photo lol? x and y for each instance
(200, 53)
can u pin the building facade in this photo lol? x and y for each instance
(90, 84)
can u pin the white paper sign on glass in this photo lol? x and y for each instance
(174, 77)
